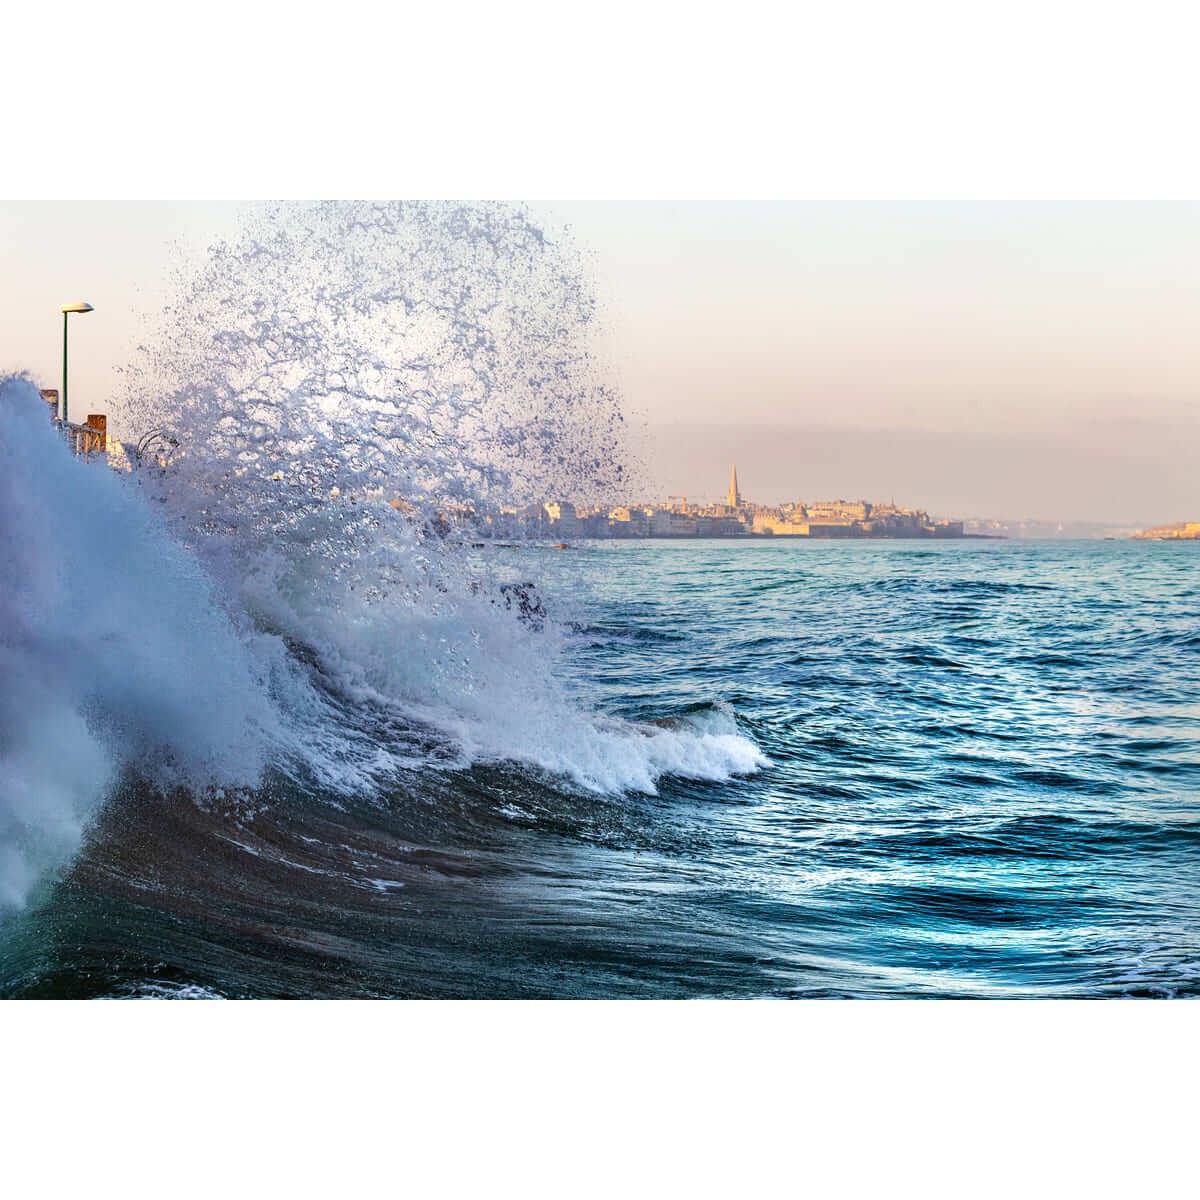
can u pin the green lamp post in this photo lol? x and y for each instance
(67, 310)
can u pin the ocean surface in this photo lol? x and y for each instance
(805, 769)
(272, 724)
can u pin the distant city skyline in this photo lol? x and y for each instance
(762, 513)
(1125, 476)
(1005, 359)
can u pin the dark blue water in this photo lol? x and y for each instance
(985, 757)
(983, 781)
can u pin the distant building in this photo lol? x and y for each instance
(628, 521)
(838, 512)
(780, 526)
(660, 522)
(595, 525)
(734, 499)
(563, 521)
(1186, 531)
(948, 529)
(719, 525)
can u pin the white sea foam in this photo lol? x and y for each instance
(168, 991)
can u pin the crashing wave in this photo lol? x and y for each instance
(284, 593)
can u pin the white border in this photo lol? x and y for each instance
(651, 100)
(866, 99)
(823, 1098)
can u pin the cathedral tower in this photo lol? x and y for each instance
(735, 497)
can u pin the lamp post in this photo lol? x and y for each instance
(67, 310)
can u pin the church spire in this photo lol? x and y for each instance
(735, 497)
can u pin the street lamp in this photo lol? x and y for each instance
(67, 310)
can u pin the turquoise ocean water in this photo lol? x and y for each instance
(959, 769)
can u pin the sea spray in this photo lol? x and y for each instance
(354, 390)
(346, 394)
(436, 354)
(114, 654)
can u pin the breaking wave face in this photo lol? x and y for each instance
(290, 594)
(115, 654)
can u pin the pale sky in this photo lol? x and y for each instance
(976, 359)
